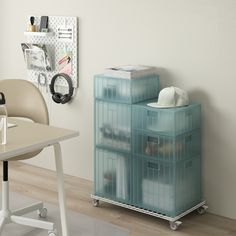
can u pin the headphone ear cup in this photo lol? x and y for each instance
(65, 98)
(56, 97)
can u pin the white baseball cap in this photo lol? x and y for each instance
(171, 97)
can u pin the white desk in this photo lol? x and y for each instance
(27, 137)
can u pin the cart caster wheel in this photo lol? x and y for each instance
(52, 233)
(202, 210)
(42, 213)
(95, 202)
(174, 225)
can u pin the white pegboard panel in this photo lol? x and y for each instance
(54, 47)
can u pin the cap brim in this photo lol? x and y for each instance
(156, 105)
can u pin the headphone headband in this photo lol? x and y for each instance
(70, 85)
(68, 80)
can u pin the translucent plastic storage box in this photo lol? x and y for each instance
(126, 90)
(169, 188)
(168, 148)
(112, 175)
(113, 125)
(168, 121)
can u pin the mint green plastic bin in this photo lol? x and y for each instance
(167, 148)
(112, 175)
(166, 121)
(165, 187)
(126, 90)
(113, 125)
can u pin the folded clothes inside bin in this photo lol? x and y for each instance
(119, 133)
(157, 195)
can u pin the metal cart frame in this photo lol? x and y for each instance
(173, 221)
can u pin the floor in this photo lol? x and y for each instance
(41, 184)
(88, 226)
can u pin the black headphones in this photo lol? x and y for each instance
(58, 97)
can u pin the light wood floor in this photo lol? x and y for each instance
(41, 184)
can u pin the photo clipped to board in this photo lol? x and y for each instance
(65, 62)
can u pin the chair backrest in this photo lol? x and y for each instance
(23, 99)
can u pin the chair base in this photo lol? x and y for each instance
(16, 216)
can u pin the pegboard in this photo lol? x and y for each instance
(55, 46)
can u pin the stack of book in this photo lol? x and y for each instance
(130, 71)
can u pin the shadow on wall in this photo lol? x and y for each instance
(166, 78)
(212, 139)
(211, 142)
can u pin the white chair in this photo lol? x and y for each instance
(23, 99)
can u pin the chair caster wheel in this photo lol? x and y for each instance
(95, 202)
(202, 210)
(174, 225)
(52, 233)
(42, 213)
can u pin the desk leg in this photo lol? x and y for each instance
(61, 192)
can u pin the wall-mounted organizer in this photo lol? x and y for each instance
(146, 159)
(61, 39)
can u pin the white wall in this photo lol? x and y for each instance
(193, 44)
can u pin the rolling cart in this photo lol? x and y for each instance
(146, 159)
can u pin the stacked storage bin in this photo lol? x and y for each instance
(113, 153)
(166, 158)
